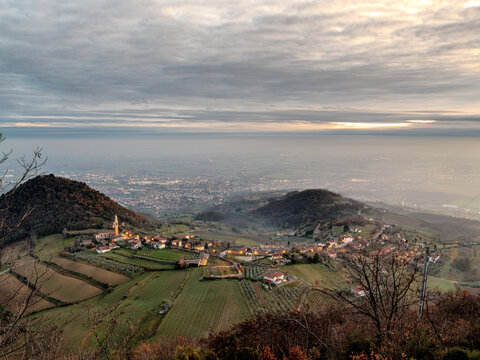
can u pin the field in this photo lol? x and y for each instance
(11, 285)
(51, 245)
(317, 301)
(282, 299)
(53, 284)
(133, 304)
(239, 239)
(443, 285)
(253, 272)
(166, 254)
(99, 274)
(204, 307)
(318, 275)
(221, 271)
(118, 257)
(101, 261)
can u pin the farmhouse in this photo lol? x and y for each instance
(135, 244)
(200, 247)
(156, 245)
(102, 235)
(103, 249)
(275, 278)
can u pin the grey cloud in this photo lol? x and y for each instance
(90, 55)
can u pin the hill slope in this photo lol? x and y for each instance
(58, 203)
(308, 206)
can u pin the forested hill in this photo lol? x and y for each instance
(308, 206)
(57, 203)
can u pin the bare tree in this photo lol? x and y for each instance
(384, 289)
(20, 335)
(28, 168)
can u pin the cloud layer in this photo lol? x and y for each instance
(231, 65)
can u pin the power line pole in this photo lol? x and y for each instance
(424, 281)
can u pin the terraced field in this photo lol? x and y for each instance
(204, 307)
(53, 284)
(11, 285)
(99, 274)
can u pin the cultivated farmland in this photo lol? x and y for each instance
(108, 263)
(318, 275)
(53, 284)
(318, 301)
(204, 307)
(133, 261)
(99, 274)
(13, 293)
(167, 254)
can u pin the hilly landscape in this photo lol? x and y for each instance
(53, 204)
(208, 280)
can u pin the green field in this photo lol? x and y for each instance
(134, 305)
(114, 255)
(318, 275)
(166, 254)
(239, 239)
(204, 307)
(442, 285)
(51, 245)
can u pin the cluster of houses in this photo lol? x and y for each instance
(109, 240)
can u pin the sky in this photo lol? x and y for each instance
(222, 65)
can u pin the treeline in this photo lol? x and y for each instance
(48, 204)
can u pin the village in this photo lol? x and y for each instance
(236, 261)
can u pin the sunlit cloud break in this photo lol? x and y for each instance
(369, 126)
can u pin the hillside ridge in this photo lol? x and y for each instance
(57, 203)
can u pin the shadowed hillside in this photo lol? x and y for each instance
(308, 206)
(55, 204)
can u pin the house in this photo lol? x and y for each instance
(102, 235)
(358, 291)
(135, 244)
(177, 243)
(200, 247)
(347, 239)
(85, 242)
(275, 278)
(160, 239)
(332, 254)
(156, 245)
(103, 249)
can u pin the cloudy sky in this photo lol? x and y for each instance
(251, 65)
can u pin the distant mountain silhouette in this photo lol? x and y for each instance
(58, 203)
(309, 206)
